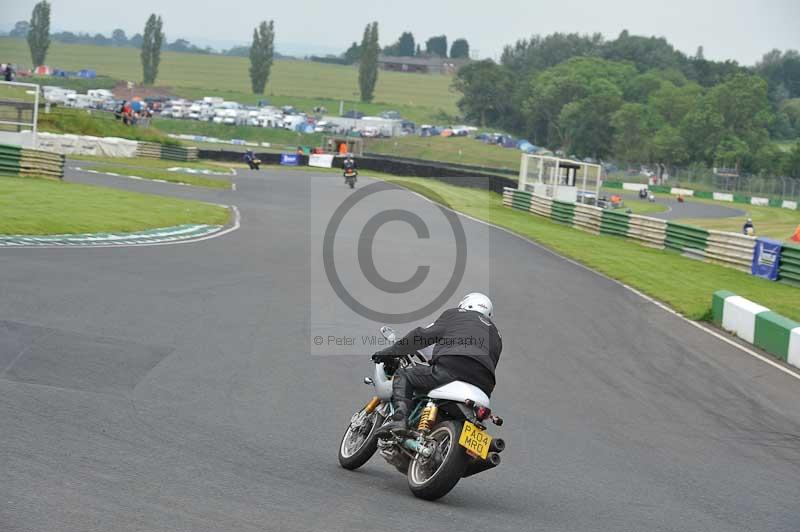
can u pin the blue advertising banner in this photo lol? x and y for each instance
(766, 259)
(290, 159)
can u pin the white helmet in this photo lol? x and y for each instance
(477, 302)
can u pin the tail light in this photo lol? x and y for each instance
(482, 413)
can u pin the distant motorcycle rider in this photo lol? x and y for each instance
(467, 347)
(250, 159)
(348, 163)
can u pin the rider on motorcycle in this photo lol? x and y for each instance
(466, 348)
(348, 163)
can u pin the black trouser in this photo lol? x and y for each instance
(417, 378)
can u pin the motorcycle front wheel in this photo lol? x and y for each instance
(359, 442)
(433, 477)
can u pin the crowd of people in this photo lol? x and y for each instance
(132, 114)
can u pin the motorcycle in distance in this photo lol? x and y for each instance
(350, 176)
(446, 439)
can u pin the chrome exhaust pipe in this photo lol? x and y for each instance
(478, 466)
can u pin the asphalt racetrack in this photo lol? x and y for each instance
(177, 388)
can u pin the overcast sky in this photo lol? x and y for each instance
(734, 29)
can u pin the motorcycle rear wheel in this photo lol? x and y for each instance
(357, 447)
(433, 478)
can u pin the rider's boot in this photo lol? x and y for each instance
(398, 421)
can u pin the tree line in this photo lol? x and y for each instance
(405, 46)
(117, 38)
(637, 99)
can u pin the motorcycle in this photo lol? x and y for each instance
(446, 440)
(350, 176)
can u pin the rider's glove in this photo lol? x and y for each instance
(381, 357)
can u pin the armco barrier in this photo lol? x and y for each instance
(562, 212)
(30, 163)
(441, 172)
(9, 159)
(757, 325)
(789, 269)
(153, 150)
(729, 249)
(614, 223)
(686, 238)
(648, 231)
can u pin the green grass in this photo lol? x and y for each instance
(145, 162)
(46, 207)
(97, 124)
(770, 222)
(461, 150)
(644, 208)
(172, 177)
(78, 84)
(298, 81)
(158, 169)
(684, 284)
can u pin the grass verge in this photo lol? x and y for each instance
(770, 222)
(684, 284)
(158, 169)
(97, 124)
(33, 206)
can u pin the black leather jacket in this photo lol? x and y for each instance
(466, 344)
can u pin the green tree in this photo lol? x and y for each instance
(528, 56)
(703, 128)
(730, 152)
(437, 46)
(353, 54)
(39, 33)
(460, 49)
(639, 88)
(791, 165)
(151, 48)
(585, 125)
(262, 51)
(404, 47)
(673, 103)
(485, 89)
(20, 30)
(668, 147)
(644, 52)
(368, 66)
(742, 101)
(546, 93)
(634, 125)
(119, 37)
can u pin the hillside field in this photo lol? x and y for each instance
(303, 83)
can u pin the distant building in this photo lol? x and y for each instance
(425, 65)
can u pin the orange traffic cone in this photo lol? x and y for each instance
(796, 235)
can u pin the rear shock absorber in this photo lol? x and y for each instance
(428, 417)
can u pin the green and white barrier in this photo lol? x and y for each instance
(718, 196)
(757, 325)
(16, 161)
(729, 249)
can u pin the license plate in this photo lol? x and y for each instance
(475, 440)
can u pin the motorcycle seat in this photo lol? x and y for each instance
(460, 391)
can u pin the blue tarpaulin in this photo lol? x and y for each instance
(766, 259)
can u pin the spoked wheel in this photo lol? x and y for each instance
(433, 477)
(359, 442)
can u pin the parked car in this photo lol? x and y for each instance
(353, 114)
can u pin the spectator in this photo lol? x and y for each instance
(8, 73)
(748, 228)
